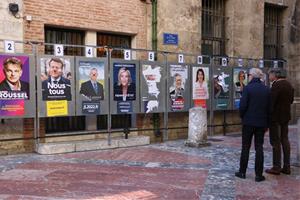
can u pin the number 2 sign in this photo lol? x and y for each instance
(9, 46)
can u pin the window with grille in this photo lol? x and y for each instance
(118, 41)
(112, 40)
(213, 27)
(64, 36)
(273, 32)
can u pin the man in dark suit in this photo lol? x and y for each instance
(255, 113)
(92, 89)
(56, 87)
(12, 69)
(282, 94)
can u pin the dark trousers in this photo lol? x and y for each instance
(247, 134)
(279, 138)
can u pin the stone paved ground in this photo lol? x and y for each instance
(159, 171)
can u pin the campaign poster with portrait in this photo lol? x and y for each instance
(14, 84)
(124, 78)
(177, 88)
(152, 88)
(200, 86)
(55, 77)
(221, 88)
(240, 80)
(91, 85)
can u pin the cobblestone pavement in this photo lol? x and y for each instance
(168, 170)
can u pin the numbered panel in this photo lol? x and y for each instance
(200, 86)
(56, 86)
(178, 87)
(17, 86)
(91, 86)
(124, 82)
(152, 88)
(221, 82)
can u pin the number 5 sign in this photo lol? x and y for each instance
(9, 46)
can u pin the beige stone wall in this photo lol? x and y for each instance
(180, 17)
(11, 28)
(244, 28)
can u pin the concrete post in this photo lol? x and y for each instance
(197, 135)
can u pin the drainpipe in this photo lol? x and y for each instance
(154, 25)
(155, 116)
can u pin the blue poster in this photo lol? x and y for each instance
(124, 107)
(124, 82)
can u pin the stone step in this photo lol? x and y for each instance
(97, 136)
(89, 145)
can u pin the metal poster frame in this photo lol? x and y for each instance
(103, 102)
(42, 103)
(29, 104)
(161, 88)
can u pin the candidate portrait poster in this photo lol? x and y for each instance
(240, 80)
(91, 80)
(56, 78)
(152, 80)
(14, 84)
(177, 89)
(124, 79)
(200, 84)
(221, 80)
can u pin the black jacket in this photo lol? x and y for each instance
(255, 105)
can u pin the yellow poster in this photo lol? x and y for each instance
(57, 108)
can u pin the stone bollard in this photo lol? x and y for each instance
(197, 135)
(298, 148)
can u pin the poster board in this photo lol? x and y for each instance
(17, 86)
(201, 84)
(178, 88)
(56, 86)
(125, 97)
(152, 87)
(91, 86)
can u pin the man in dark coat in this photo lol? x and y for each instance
(56, 87)
(255, 113)
(282, 95)
(92, 89)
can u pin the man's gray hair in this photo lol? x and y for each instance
(256, 73)
(278, 72)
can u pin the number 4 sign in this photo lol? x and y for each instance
(89, 52)
(9, 46)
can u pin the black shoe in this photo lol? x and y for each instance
(240, 175)
(259, 178)
(286, 170)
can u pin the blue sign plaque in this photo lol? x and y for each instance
(170, 39)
